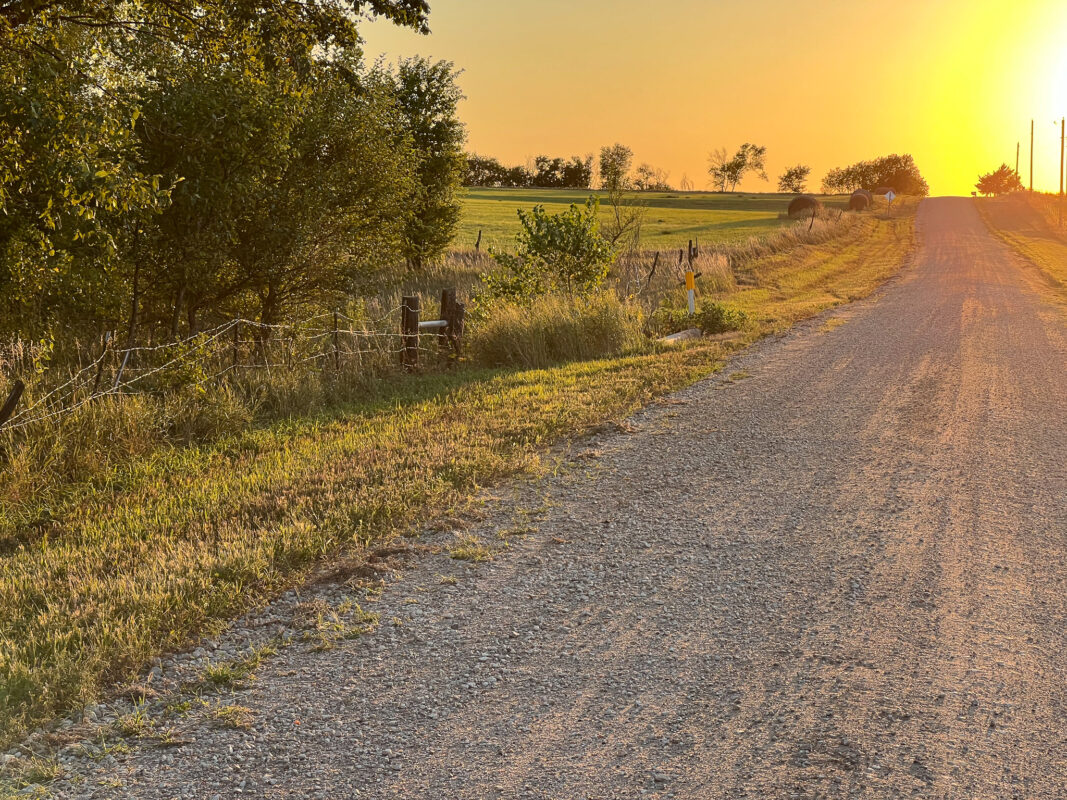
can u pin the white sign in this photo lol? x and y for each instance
(890, 196)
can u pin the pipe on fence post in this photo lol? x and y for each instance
(409, 330)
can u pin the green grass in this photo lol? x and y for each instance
(1029, 224)
(672, 218)
(173, 543)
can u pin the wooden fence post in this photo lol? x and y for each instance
(12, 401)
(236, 342)
(448, 305)
(409, 330)
(478, 244)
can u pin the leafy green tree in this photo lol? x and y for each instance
(427, 96)
(561, 252)
(651, 179)
(615, 162)
(794, 179)
(725, 171)
(1003, 180)
(897, 172)
(79, 185)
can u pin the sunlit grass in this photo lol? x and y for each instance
(162, 548)
(671, 220)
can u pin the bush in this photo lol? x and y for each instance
(556, 253)
(554, 329)
(712, 317)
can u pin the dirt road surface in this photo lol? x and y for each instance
(844, 575)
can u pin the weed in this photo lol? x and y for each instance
(470, 548)
(234, 717)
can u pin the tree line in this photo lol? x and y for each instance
(166, 162)
(576, 172)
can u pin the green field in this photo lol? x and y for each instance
(672, 219)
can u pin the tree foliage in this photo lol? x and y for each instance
(897, 172)
(562, 252)
(163, 161)
(1003, 180)
(728, 171)
(651, 179)
(794, 179)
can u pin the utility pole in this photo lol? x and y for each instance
(1031, 155)
(1018, 147)
(1063, 137)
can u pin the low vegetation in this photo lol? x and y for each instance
(1029, 223)
(147, 551)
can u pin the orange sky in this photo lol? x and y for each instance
(824, 83)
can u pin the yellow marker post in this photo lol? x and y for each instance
(691, 290)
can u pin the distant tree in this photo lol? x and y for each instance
(624, 228)
(427, 96)
(615, 162)
(718, 162)
(731, 171)
(794, 179)
(686, 185)
(578, 172)
(897, 172)
(1003, 180)
(482, 171)
(651, 179)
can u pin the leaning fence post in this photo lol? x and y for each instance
(409, 330)
(12, 401)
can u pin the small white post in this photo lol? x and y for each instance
(691, 290)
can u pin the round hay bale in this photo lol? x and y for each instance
(803, 203)
(859, 201)
(865, 193)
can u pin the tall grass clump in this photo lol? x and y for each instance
(555, 329)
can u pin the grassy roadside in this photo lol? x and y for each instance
(178, 542)
(1024, 224)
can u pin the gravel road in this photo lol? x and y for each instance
(839, 573)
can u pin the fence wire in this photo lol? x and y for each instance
(325, 342)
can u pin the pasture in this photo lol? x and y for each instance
(672, 219)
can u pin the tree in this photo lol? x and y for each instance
(627, 216)
(731, 171)
(615, 164)
(428, 96)
(483, 171)
(1003, 180)
(562, 252)
(651, 179)
(896, 172)
(793, 180)
(79, 195)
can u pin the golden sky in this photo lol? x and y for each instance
(824, 82)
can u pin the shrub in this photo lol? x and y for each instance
(715, 317)
(556, 253)
(554, 329)
(711, 317)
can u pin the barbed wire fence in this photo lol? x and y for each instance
(327, 342)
